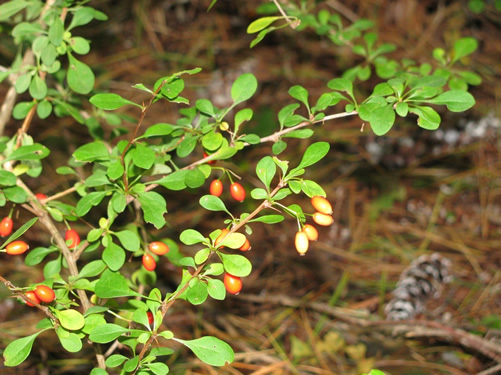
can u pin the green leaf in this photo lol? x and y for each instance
(259, 194)
(428, 117)
(129, 240)
(56, 31)
(110, 101)
(21, 109)
(174, 181)
(79, 45)
(191, 237)
(154, 207)
(115, 170)
(186, 146)
(210, 350)
(112, 285)
(464, 47)
(98, 371)
(216, 289)
(143, 156)
(80, 77)
(69, 340)
(194, 178)
(38, 88)
(92, 269)
(300, 93)
(7, 178)
(106, 333)
(91, 151)
(402, 109)
(313, 154)
(197, 293)
(38, 254)
(233, 241)
(158, 368)
(212, 140)
(205, 106)
(70, 319)
(44, 109)
(243, 88)
(35, 151)
(18, 233)
(213, 203)
(18, 350)
(311, 188)
(158, 130)
(455, 100)
(265, 171)
(15, 194)
(260, 24)
(382, 119)
(114, 256)
(235, 264)
(243, 115)
(86, 203)
(268, 219)
(278, 147)
(300, 133)
(10, 8)
(115, 360)
(341, 84)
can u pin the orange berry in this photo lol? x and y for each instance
(16, 247)
(72, 238)
(246, 246)
(6, 226)
(216, 188)
(233, 284)
(322, 219)
(45, 293)
(311, 232)
(321, 204)
(237, 191)
(219, 238)
(31, 295)
(40, 196)
(158, 248)
(149, 262)
(302, 243)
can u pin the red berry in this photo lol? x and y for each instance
(40, 196)
(322, 219)
(321, 204)
(237, 191)
(45, 293)
(6, 226)
(158, 248)
(149, 262)
(219, 238)
(16, 247)
(311, 232)
(72, 238)
(216, 188)
(233, 284)
(246, 246)
(31, 295)
(209, 162)
(150, 317)
(301, 242)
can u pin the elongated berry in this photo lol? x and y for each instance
(72, 238)
(237, 191)
(322, 219)
(216, 188)
(149, 262)
(219, 238)
(16, 247)
(159, 248)
(233, 284)
(321, 204)
(302, 243)
(149, 314)
(31, 295)
(6, 226)
(311, 232)
(45, 293)
(246, 246)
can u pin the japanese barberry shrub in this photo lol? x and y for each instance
(102, 290)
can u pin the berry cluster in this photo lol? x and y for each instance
(237, 191)
(322, 217)
(422, 279)
(157, 248)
